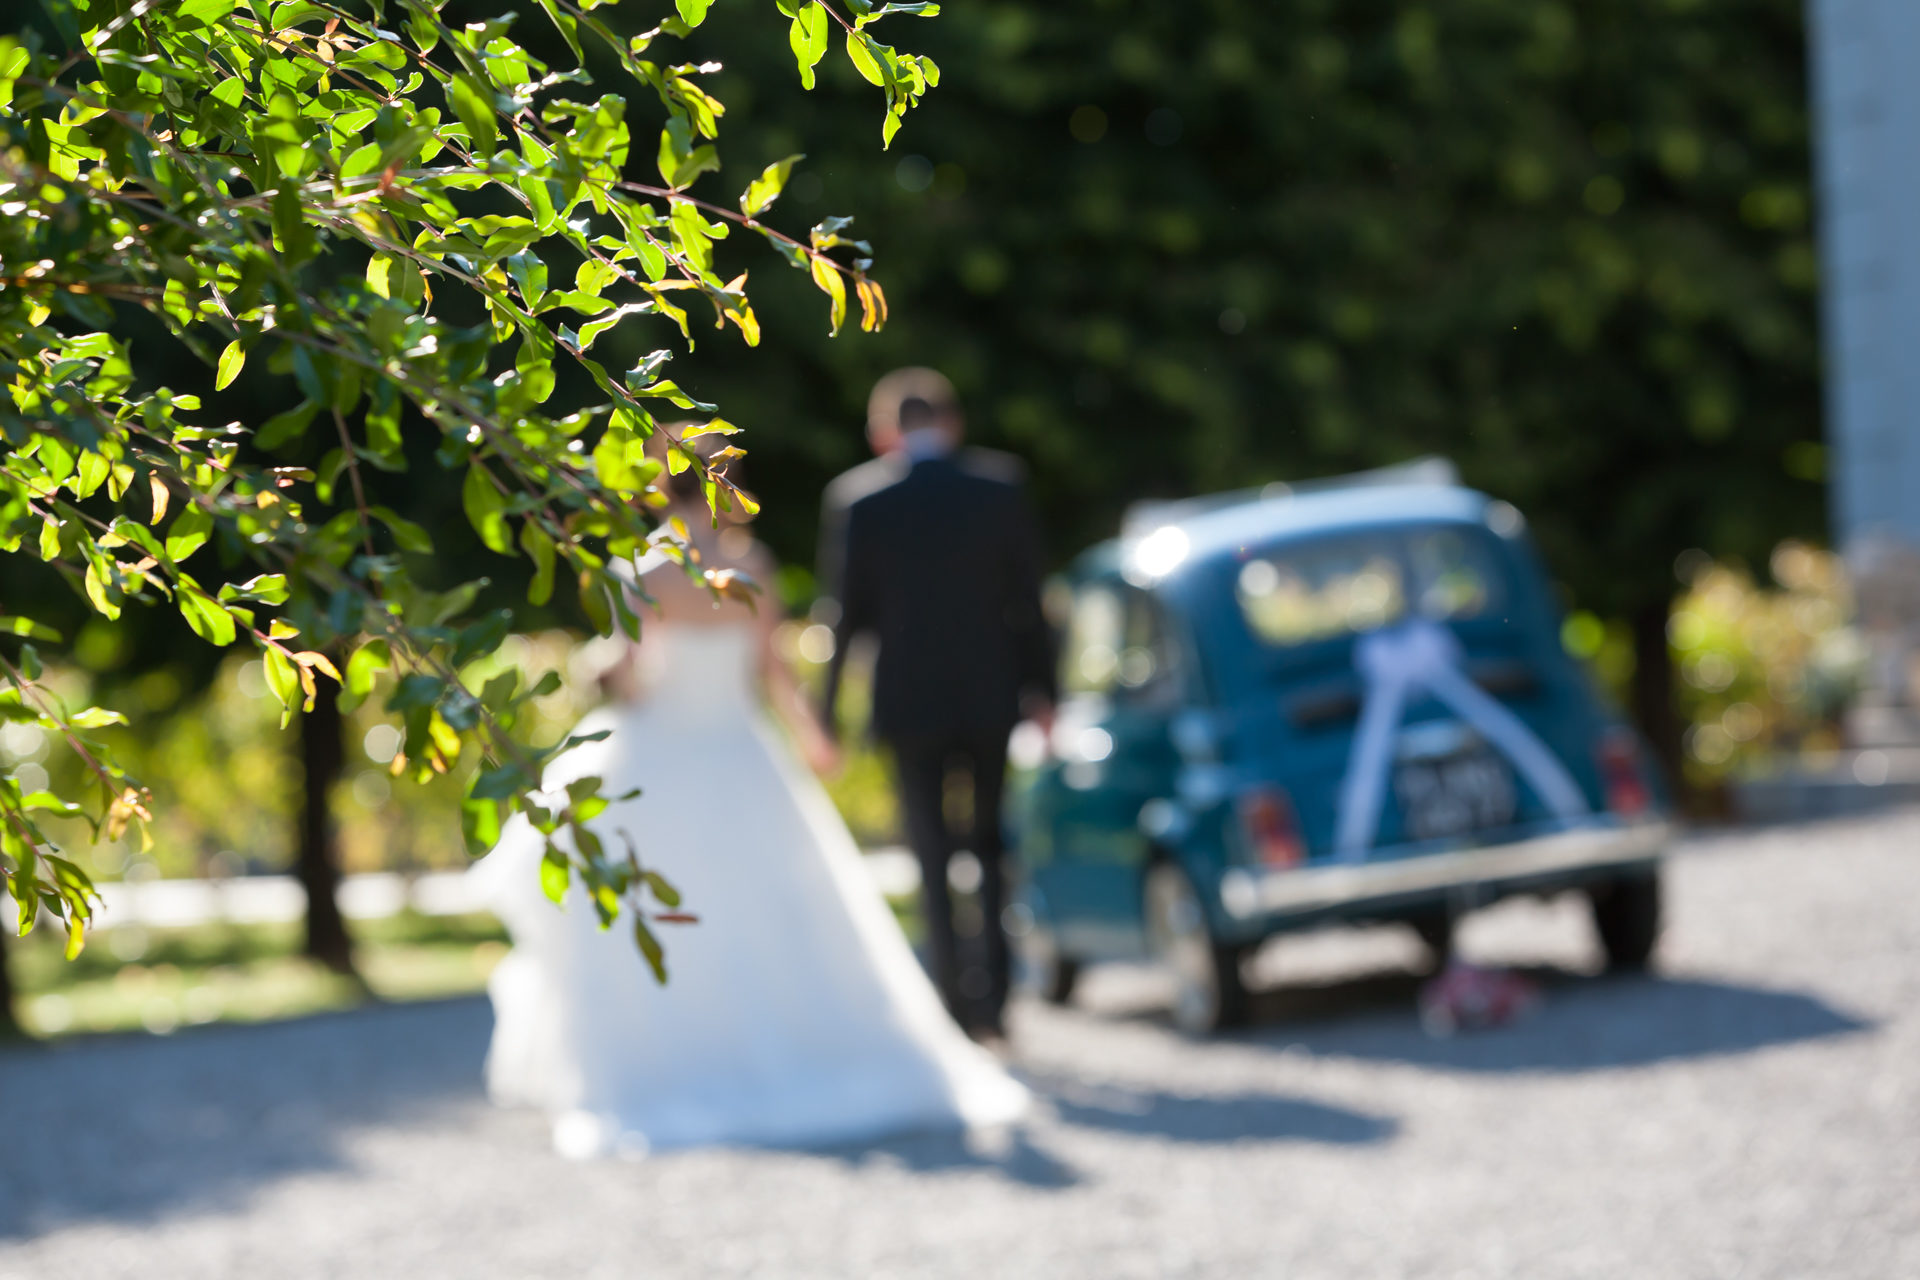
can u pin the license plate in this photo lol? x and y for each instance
(1455, 795)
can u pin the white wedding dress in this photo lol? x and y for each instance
(795, 1013)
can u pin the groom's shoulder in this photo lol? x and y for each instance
(991, 464)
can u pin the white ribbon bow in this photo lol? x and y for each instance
(1424, 656)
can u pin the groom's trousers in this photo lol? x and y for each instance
(974, 987)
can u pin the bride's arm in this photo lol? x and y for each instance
(777, 676)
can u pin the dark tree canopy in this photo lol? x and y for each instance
(1169, 247)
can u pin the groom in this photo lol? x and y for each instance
(931, 549)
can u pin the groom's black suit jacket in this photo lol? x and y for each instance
(941, 564)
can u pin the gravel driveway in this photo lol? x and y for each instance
(1753, 1111)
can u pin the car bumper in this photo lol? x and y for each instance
(1562, 859)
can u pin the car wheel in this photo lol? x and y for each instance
(1049, 974)
(1209, 992)
(1626, 914)
(1436, 931)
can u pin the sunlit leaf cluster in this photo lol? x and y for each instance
(411, 226)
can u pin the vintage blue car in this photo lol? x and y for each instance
(1348, 703)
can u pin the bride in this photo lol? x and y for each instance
(795, 1013)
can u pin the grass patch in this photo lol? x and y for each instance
(130, 978)
(137, 979)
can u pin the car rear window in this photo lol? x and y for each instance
(1303, 592)
(1116, 642)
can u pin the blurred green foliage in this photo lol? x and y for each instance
(226, 781)
(382, 212)
(1766, 668)
(1175, 247)
(1166, 248)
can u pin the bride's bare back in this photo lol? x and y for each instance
(681, 602)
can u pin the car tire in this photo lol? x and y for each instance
(1626, 915)
(1209, 991)
(1049, 974)
(1436, 933)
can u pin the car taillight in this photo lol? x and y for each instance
(1621, 775)
(1272, 830)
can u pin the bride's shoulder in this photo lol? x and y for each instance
(679, 595)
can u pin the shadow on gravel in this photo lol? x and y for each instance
(1584, 1023)
(1213, 1119)
(132, 1127)
(1012, 1154)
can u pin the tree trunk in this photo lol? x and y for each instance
(9, 1023)
(322, 754)
(1653, 695)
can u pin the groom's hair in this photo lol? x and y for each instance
(916, 413)
(926, 390)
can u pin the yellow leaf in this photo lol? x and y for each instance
(311, 659)
(446, 742)
(827, 277)
(748, 322)
(160, 495)
(873, 304)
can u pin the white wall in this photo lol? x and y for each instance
(1866, 107)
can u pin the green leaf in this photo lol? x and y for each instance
(486, 509)
(364, 159)
(569, 27)
(190, 531)
(482, 637)
(499, 783)
(693, 12)
(283, 678)
(13, 60)
(209, 620)
(284, 428)
(679, 159)
(90, 474)
(540, 549)
(17, 626)
(231, 362)
(480, 825)
(765, 189)
(408, 535)
(53, 803)
(860, 53)
(101, 594)
(887, 10)
(668, 895)
(416, 692)
(474, 105)
(808, 39)
(555, 874)
(382, 420)
(650, 948)
(268, 588)
(368, 661)
(593, 602)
